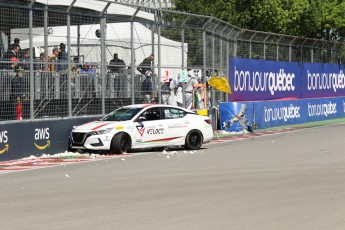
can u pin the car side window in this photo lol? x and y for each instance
(151, 114)
(172, 113)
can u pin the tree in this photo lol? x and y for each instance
(322, 19)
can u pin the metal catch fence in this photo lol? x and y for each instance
(85, 57)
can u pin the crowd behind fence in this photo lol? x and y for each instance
(180, 42)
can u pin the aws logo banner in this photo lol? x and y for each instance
(4, 146)
(42, 138)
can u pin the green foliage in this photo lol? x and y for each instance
(322, 19)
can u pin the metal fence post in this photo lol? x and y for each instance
(159, 80)
(32, 82)
(103, 61)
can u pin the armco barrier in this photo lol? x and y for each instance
(23, 139)
(266, 114)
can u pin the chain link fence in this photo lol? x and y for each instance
(67, 47)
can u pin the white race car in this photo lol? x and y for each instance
(142, 126)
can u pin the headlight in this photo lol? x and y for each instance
(105, 131)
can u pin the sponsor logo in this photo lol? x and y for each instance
(155, 131)
(130, 127)
(263, 81)
(119, 128)
(4, 140)
(282, 113)
(41, 147)
(42, 135)
(141, 129)
(322, 81)
(177, 126)
(322, 109)
(4, 149)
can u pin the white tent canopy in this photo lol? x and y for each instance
(118, 40)
(99, 6)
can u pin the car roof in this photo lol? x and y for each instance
(155, 105)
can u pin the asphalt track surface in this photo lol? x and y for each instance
(289, 180)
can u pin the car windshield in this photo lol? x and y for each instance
(122, 114)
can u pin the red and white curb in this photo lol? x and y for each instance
(33, 163)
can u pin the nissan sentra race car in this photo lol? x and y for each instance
(142, 126)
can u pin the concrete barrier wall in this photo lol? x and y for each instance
(26, 138)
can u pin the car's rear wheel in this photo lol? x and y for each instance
(120, 144)
(194, 140)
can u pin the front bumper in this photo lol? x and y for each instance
(88, 140)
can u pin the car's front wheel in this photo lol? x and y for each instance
(120, 144)
(194, 140)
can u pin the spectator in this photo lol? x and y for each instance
(11, 53)
(26, 60)
(18, 92)
(41, 64)
(53, 59)
(13, 64)
(16, 43)
(146, 64)
(62, 58)
(146, 87)
(116, 64)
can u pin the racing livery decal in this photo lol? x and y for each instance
(162, 140)
(97, 127)
(155, 131)
(141, 129)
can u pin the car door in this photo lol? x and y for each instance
(151, 129)
(176, 123)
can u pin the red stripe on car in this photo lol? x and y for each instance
(97, 127)
(165, 139)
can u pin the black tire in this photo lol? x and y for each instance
(194, 140)
(120, 144)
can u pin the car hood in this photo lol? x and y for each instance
(99, 125)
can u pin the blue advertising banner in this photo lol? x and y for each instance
(233, 115)
(263, 80)
(266, 114)
(322, 80)
(23, 139)
(255, 80)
